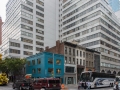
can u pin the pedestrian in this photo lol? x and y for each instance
(116, 87)
(85, 85)
(88, 85)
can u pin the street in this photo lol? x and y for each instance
(70, 87)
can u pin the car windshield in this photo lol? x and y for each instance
(85, 77)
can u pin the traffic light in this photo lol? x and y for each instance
(0, 56)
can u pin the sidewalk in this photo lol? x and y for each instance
(71, 86)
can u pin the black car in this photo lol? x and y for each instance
(22, 84)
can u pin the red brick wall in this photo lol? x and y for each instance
(58, 49)
(1, 31)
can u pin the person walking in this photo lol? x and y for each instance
(116, 87)
(88, 85)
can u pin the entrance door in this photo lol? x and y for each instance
(70, 80)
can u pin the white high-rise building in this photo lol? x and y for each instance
(94, 25)
(30, 26)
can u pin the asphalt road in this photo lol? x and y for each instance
(73, 87)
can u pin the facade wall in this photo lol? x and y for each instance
(1, 30)
(93, 25)
(47, 69)
(75, 58)
(34, 24)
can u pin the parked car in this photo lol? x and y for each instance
(22, 84)
(46, 84)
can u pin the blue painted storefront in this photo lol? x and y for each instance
(39, 67)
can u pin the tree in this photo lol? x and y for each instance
(12, 65)
(15, 65)
(3, 66)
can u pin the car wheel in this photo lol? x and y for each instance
(42, 89)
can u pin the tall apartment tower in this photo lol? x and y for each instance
(1, 30)
(115, 4)
(93, 25)
(30, 26)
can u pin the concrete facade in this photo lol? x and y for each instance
(45, 64)
(93, 25)
(31, 24)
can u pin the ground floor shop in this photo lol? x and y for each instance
(70, 79)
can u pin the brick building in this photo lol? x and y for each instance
(75, 59)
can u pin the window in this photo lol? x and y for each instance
(83, 54)
(65, 59)
(28, 53)
(14, 44)
(65, 50)
(69, 51)
(28, 47)
(50, 61)
(50, 70)
(26, 34)
(69, 69)
(58, 62)
(39, 8)
(27, 21)
(77, 61)
(77, 52)
(39, 43)
(80, 61)
(40, 2)
(40, 14)
(26, 40)
(73, 52)
(58, 71)
(33, 71)
(73, 60)
(15, 51)
(40, 20)
(33, 62)
(38, 61)
(39, 25)
(26, 8)
(39, 49)
(39, 37)
(83, 62)
(80, 53)
(27, 15)
(69, 60)
(26, 27)
(27, 2)
(28, 62)
(39, 70)
(40, 31)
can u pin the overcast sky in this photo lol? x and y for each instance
(3, 9)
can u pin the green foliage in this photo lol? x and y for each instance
(13, 65)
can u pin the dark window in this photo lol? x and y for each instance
(50, 61)
(69, 69)
(38, 61)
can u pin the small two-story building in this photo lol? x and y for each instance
(45, 64)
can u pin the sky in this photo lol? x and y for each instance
(3, 9)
